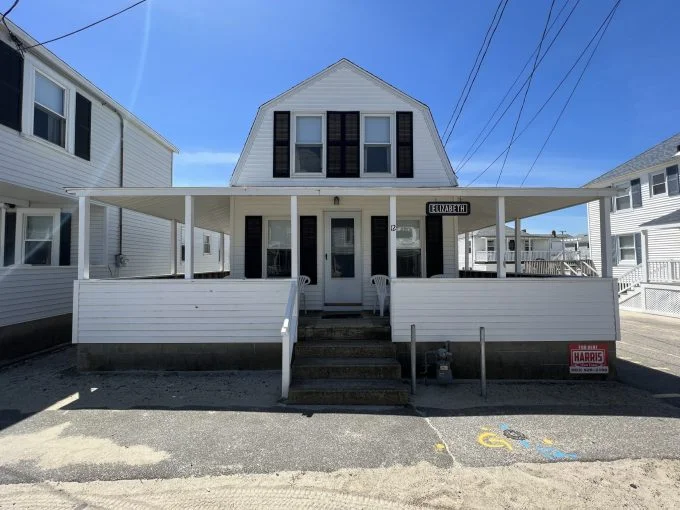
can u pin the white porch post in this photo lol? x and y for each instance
(518, 246)
(173, 247)
(188, 237)
(220, 252)
(468, 249)
(605, 237)
(500, 237)
(456, 249)
(645, 255)
(294, 241)
(393, 237)
(84, 238)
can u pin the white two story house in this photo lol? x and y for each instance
(343, 181)
(645, 227)
(59, 130)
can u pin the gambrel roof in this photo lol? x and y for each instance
(345, 64)
(657, 155)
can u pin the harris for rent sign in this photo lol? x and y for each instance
(588, 359)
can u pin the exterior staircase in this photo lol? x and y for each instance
(346, 361)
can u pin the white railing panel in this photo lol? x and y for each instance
(181, 311)
(511, 309)
(289, 331)
(666, 271)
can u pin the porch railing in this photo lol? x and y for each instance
(289, 331)
(630, 279)
(667, 271)
(524, 256)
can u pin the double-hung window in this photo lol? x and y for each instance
(673, 180)
(409, 249)
(206, 244)
(278, 256)
(49, 111)
(490, 245)
(626, 249)
(37, 237)
(377, 144)
(308, 144)
(658, 183)
(622, 197)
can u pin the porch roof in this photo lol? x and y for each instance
(212, 204)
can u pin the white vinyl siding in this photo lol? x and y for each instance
(203, 262)
(180, 311)
(577, 310)
(344, 89)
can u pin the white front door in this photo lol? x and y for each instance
(342, 259)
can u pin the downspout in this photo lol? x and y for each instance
(121, 174)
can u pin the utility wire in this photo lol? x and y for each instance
(14, 38)
(559, 85)
(472, 69)
(476, 73)
(507, 93)
(87, 26)
(519, 91)
(526, 91)
(573, 90)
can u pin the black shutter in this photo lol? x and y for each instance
(65, 240)
(10, 232)
(636, 193)
(342, 144)
(281, 144)
(11, 85)
(308, 248)
(672, 180)
(83, 127)
(434, 246)
(404, 144)
(379, 245)
(638, 248)
(184, 251)
(253, 248)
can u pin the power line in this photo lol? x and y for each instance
(573, 90)
(14, 38)
(472, 69)
(559, 85)
(476, 73)
(519, 91)
(526, 91)
(507, 93)
(87, 26)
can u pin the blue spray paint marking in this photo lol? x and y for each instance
(548, 452)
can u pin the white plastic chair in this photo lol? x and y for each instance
(303, 281)
(382, 293)
(438, 276)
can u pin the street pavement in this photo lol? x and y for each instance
(649, 354)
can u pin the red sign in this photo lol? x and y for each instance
(588, 359)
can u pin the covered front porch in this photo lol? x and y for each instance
(339, 238)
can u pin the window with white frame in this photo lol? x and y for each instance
(308, 144)
(37, 237)
(622, 197)
(490, 245)
(658, 183)
(49, 110)
(377, 144)
(527, 245)
(511, 245)
(626, 249)
(409, 249)
(278, 255)
(206, 244)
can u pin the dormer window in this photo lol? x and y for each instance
(308, 144)
(377, 144)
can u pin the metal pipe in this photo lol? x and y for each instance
(413, 359)
(482, 358)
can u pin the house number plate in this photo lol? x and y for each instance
(447, 208)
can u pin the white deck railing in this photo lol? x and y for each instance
(511, 309)
(630, 279)
(491, 256)
(667, 271)
(289, 337)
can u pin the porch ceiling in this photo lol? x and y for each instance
(212, 204)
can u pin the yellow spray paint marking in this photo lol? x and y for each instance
(493, 440)
(548, 441)
(440, 447)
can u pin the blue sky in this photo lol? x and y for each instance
(197, 71)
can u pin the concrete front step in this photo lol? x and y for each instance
(326, 348)
(348, 392)
(346, 368)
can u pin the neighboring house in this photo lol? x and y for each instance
(482, 254)
(57, 129)
(336, 182)
(645, 227)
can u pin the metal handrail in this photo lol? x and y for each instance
(289, 337)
